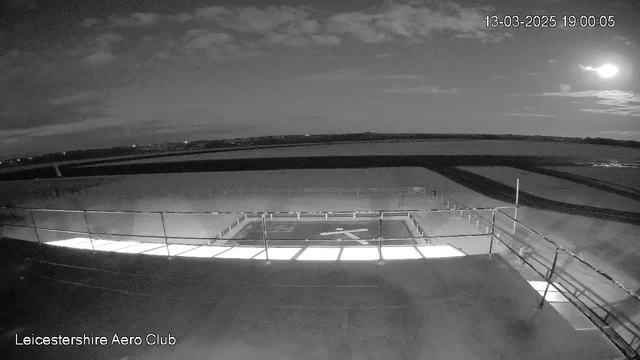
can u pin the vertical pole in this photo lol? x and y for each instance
(164, 231)
(493, 221)
(553, 268)
(264, 238)
(515, 215)
(35, 227)
(86, 223)
(380, 238)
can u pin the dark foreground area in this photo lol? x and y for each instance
(476, 307)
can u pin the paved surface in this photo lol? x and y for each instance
(475, 307)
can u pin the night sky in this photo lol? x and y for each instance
(88, 74)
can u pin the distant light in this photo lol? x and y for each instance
(18, 159)
(30, 158)
(133, 145)
(186, 142)
(607, 71)
(64, 153)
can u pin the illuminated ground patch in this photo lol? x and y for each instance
(329, 230)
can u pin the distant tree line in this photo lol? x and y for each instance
(292, 140)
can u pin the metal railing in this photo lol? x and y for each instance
(628, 344)
(263, 216)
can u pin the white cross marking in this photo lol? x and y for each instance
(348, 233)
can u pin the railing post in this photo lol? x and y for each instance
(264, 239)
(35, 227)
(553, 268)
(493, 222)
(380, 260)
(515, 214)
(164, 231)
(86, 223)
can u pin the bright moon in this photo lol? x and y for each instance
(607, 71)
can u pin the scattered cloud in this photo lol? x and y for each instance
(225, 29)
(624, 134)
(181, 17)
(411, 22)
(403, 77)
(90, 22)
(102, 49)
(284, 39)
(336, 75)
(551, 61)
(302, 27)
(21, 4)
(135, 20)
(256, 20)
(217, 46)
(105, 40)
(616, 102)
(623, 40)
(202, 39)
(565, 88)
(528, 115)
(81, 96)
(616, 111)
(325, 39)
(423, 90)
(163, 55)
(357, 74)
(102, 57)
(382, 55)
(484, 36)
(358, 25)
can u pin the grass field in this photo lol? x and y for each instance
(552, 188)
(449, 147)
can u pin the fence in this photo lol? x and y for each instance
(617, 320)
(611, 306)
(85, 226)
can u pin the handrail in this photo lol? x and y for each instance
(346, 213)
(76, 232)
(577, 257)
(569, 252)
(257, 213)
